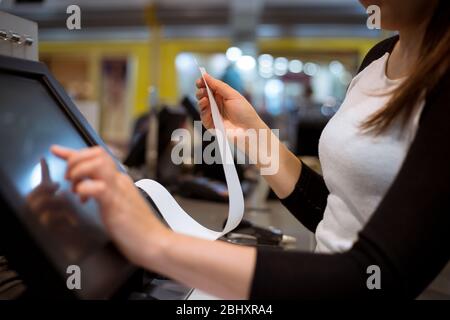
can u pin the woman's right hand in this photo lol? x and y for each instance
(139, 235)
(282, 166)
(236, 111)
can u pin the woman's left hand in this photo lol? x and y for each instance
(125, 213)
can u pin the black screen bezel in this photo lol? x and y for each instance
(25, 255)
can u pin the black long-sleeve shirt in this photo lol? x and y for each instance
(407, 237)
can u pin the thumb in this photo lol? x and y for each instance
(220, 87)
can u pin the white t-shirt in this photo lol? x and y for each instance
(358, 167)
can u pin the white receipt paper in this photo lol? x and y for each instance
(177, 219)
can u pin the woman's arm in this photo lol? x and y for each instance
(289, 167)
(308, 200)
(217, 267)
(406, 238)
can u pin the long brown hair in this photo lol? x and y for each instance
(431, 66)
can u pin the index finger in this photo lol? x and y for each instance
(73, 157)
(45, 172)
(200, 83)
(61, 152)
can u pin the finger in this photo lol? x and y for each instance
(203, 103)
(200, 83)
(207, 120)
(43, 190)
(49, 188)
(45, 172)
(91, 168)
(61, 152)
(75, 156)
(205, 111)
(201, 93)
(219, 103)
(92, 189)
(84, 155)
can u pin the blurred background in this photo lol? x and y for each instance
(131, 68)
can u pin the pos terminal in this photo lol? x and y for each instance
(45, 230)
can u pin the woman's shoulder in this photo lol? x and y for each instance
(377, 51)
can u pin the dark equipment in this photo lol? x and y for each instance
(44, 228)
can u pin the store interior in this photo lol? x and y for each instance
(131, 69)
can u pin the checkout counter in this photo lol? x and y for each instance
(44, 219)
(44, 228)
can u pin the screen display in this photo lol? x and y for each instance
(31, 120)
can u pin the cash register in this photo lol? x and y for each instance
(44, 229)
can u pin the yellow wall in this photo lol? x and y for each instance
(141, 52)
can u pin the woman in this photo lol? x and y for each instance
(383, 201)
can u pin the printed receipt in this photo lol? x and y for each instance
(181, 222)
